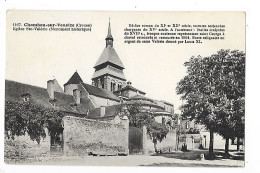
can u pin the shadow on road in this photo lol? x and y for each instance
(195, 155)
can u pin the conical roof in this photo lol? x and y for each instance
(109, 55)
(75, 79)
(109, 35)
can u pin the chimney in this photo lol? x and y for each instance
(102, 111)
(76, 95)
(50, 88)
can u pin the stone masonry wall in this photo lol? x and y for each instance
(99, 101)
(23, 147)
(82, 136)
(168, 144)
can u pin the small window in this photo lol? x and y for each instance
(26, 96)
(52, 102)
(187, 124)
(26, 99)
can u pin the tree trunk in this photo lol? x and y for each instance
(211, 140)
(227, 146)
(238, 144)
(155, 147)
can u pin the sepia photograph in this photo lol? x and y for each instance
(124, 88)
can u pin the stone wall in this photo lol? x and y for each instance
(219, 141)
(68, 89)
(82, 136)
(168, 144)
(99, 101)
(192, 141)
(23, 147)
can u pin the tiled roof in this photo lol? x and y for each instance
(168, 103)
(142, 103)
(109, 55)
(160, 111)
(129, 87)
(109, 70)
(140, 97)
(14, 90)
(99, 92)
(75, 79)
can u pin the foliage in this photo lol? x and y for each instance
(193, 131)
(157, 132)
(139, 118)
(184, 147)
(30, 118)
(213, 89)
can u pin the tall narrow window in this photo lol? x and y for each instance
(103, 85)
(119, 86)
(114, 87)
(187, 124)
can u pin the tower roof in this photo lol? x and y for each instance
(75, 79)
(111, 71)
(109, 55)
(109, 35)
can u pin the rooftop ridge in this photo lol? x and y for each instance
(74, 79)
(25, 84)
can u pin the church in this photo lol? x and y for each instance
(109, 85)
(92, 110)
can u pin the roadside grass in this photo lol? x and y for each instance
(195, 155)
(188, 155)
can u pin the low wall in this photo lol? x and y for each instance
(219, 141)
(192, 141)
(82, 136)
(168, 144)
(23, 147)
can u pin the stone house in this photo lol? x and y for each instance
(75, 124)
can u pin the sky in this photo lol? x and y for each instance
(36, 57)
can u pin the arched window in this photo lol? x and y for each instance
(113, 86)
(102, 83)
(119, 86)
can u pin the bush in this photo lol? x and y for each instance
(184, 147)
(201, 146)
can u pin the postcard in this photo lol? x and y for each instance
(110, 88)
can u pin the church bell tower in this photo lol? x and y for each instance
(109, 68)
